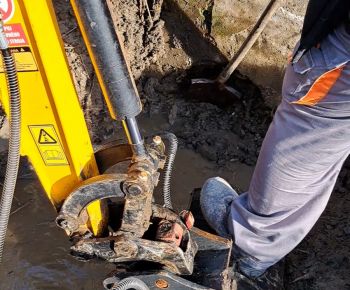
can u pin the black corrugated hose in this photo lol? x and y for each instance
(14, 142)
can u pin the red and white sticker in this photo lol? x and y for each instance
(7, 9)
(15, 35)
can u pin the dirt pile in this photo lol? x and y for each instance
(222, 134)
(141, 30)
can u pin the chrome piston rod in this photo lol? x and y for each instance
(132, 131)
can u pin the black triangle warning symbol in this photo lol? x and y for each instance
(46, 138)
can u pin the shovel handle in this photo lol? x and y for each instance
(249, 42)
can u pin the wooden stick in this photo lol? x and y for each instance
(249, 42)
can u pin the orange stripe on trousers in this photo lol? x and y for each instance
(321, 87)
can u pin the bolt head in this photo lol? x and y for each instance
(157, 140)
(162, 284)
(134, 189)
(143, 176)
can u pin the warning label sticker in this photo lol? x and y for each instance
(19, 46)
(15, 35)
(24, 58)
(49, 145)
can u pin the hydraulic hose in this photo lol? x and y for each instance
(130, 283)
(171, 154)
(14, 142)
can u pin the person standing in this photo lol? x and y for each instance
(302, 153)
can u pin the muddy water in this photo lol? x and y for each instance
(191, 169)
(37, 252)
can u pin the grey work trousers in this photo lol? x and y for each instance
(300, 159)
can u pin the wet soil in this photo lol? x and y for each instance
(218, 137)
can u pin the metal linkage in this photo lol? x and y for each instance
(210, 268)
(126, 247)
(157, 280)
(72, 216)
(147, 232)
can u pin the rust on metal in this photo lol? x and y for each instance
(169, 232)
(147, 232)
(188, 218)
(178, 260)
(157, 140)
(139, 185)
(71, 216)
(162, 284)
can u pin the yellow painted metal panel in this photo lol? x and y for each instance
(50, 103)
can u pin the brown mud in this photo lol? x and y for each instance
(217, 138)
